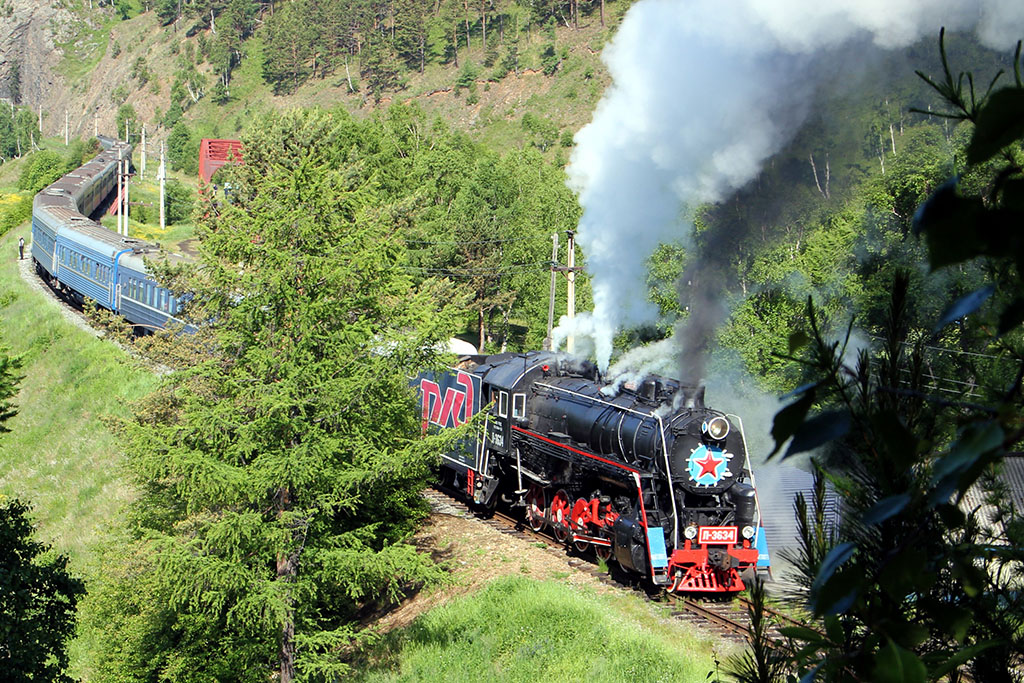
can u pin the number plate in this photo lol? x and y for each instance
(720, 535)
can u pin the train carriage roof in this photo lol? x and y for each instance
(55, 196)
(66, 189)
(77, 229)
(136, 259)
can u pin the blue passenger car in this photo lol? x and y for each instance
(81, 258)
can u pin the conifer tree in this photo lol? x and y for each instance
(282, 474)
(37, 602)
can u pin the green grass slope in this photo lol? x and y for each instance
(61, 456)
(519, 629)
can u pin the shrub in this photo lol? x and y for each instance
(43, 168)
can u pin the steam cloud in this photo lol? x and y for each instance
(703, 93)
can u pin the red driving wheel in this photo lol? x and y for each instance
(580, 518)
(559, 515)
(536, 508)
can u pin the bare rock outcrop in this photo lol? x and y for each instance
(30, 33)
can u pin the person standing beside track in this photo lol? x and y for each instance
(21, 248)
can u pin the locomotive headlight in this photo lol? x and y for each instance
(690, 532)
(717, 428)
(748, 532)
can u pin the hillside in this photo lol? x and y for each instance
(90, 62)
(760, 216)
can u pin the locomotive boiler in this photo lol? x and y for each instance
(641, 472)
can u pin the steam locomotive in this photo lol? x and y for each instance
(642, 472)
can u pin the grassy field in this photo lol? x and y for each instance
(519, 629)
(61, 456)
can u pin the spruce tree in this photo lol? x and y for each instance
(281, 475)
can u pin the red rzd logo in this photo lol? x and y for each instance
(454, 408)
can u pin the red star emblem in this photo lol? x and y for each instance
(708, 465)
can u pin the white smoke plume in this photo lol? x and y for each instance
(703, 93)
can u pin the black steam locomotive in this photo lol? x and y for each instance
(642, 472)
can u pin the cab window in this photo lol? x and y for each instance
(503, 404)
(518, 405)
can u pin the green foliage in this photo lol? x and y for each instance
(379, 67)
(495, 236)
(913, 585)
(37, 601)
(467, 77)
(42, 169)
(15, 214)
(119, 94)
(14, 81)
(665, 266)
(549, 59)
(17, 132)
(128, 120)
(307, 39)
(543, 131)
(124, 8)
(183, 149)
(178, 201)
(173, 115)
(287, 48)
(167, 10)
(281, 475)
(140, 71)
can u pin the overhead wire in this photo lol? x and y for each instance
(460, 242)
(539, 267)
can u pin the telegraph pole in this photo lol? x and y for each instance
(65, 127)
(127, 177)
(570, 274)
(161, 174)
(40, 120)
(120, 179)
(95, 122)
(570, 313)
(142, 169)
(551, 295)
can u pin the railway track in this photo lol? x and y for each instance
(729, 620)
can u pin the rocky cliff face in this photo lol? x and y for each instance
(30, 31)
(34, 34)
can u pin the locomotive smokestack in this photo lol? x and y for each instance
(693, 396)
(649, 389)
